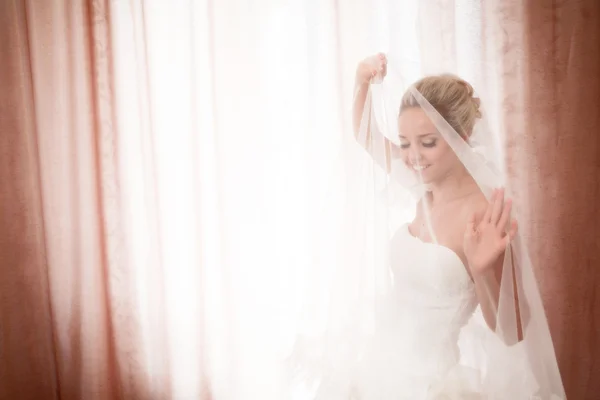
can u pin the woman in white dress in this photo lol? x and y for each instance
(471, 234)
(463, 220)
(463, 318)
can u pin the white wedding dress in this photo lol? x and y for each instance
(414, 354)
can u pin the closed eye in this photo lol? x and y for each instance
(428, 144)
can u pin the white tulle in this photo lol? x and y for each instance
(401, 316)
(387, 316)
(415, 351)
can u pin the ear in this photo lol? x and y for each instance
(465, 136)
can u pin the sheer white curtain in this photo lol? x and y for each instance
(230, 116)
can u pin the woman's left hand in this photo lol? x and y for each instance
(489, 233)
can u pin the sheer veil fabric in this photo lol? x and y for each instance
(393, 316)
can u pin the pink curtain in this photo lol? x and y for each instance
(64, 335)
(550, 59)
(28, 368)
(563, 99)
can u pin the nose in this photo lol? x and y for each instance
(415, 157)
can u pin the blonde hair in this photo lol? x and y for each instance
(452, 97)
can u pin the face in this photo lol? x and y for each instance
(423, 149)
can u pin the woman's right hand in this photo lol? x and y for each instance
(372, 67)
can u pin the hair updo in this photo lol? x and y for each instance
(452, 97)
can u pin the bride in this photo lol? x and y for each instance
(462, 318)
(453, 206)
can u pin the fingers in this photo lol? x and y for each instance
(511, 234)
(514, 228)
(377, 65)
(497, 206)
(383, 64)
(505, 215)
(488, 212)
(370, 67)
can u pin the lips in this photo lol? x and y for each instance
(419, 167)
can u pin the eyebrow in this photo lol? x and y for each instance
(421, 135)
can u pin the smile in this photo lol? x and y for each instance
(420, 167)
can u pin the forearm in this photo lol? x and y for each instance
(487, 289)
(361, 90)
(371, 140)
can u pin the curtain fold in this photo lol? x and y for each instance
(56, 76)
(551, 67)
(27, 340)
(563, 94)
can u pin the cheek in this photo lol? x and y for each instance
(436, 154)
(442, 156)
(448, 157)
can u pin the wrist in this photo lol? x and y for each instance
(481, 273)
(360, 89)
(361, 82)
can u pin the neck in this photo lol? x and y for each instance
(456, 184)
